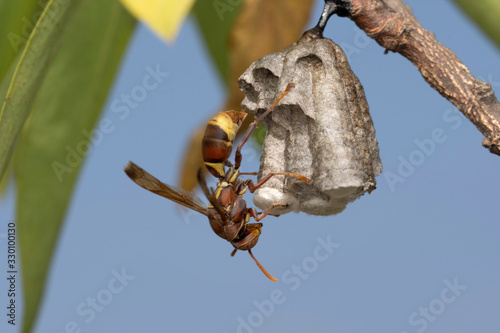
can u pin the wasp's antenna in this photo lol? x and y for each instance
(269, 276)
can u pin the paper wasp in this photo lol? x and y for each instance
(227, 211)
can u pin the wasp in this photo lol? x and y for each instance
(227, 211)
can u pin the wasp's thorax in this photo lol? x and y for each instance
(234, 227)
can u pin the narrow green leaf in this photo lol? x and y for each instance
(486, 14)
(41, 47)
(18, 19)
(53, 142)
(215, 19)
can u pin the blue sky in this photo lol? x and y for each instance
(418, 255)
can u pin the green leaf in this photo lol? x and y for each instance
(215, 19)
(18, 20)
(29, 72)
(67, 106)
(17, 24)
(486, 14)
(40, 49)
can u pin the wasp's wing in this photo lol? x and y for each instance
(150, 183)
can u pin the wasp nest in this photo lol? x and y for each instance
(322, 129)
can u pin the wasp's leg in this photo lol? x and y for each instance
(248, 238)
(258, 217)
(253, 126)
(252, 186)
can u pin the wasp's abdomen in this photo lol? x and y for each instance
(218, 140)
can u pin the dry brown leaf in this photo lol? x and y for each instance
(262, 27)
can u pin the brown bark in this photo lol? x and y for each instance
(392, 24)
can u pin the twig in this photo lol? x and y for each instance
(392, 24)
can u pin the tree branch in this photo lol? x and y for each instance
(392, 24)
